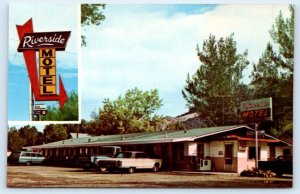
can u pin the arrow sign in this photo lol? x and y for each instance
(28, 39)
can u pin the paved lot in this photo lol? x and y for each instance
(45, 176)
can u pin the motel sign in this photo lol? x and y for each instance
(256, 110)
(44, 80)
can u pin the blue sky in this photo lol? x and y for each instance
(62, 18)
(153, 46)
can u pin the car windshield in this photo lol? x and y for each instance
(124, 155)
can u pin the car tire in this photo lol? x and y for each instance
(28, 163)
(155, 167)
(131, 170)
(111, 170)
(102, 169)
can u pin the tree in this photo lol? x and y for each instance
(91, 14)
(215, 90)
(15, 141)
(30, 135)
(69, 112)
(55, 132)
(272, 75)
(134, 112)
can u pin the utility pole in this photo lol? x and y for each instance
(256, 144)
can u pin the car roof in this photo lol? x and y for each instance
(132, 152)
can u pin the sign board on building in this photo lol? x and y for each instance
(256, 110)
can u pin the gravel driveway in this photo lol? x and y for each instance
(45, 176)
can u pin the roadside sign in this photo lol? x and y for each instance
(39, 109)
(256, 110)
(43, 82)
(40, 112)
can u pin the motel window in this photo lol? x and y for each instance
(286, 152)
(252, 154)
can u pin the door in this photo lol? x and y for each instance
(228, 157)
(200, 151)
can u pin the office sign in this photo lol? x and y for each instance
(256, 110)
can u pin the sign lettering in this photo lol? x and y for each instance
(47, 81)
(256, 110)
(37, 40)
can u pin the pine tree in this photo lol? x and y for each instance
(272, 75)
(215, 90)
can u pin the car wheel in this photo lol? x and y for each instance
(130, 170)
(111, 170)
(102, 169)
(28, 163)
(278, 173)
(155, 167)
(86, 168)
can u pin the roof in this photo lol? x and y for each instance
(143, 138)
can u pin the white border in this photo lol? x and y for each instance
(3, 105)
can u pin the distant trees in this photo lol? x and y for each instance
(133, 112)
(215, 90)
(25, 136)
(55, 132)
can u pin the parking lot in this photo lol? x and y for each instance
(46, 176)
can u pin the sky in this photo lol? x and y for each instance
(62, 18)
(154, 46)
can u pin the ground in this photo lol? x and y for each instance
(46, 176)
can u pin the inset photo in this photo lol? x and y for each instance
(44, 43)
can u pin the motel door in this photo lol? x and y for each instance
(228, 157)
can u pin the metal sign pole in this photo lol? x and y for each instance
(31, 103)
(256, 145)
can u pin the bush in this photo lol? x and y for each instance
(255, 172)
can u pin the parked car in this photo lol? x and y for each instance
(130, 161)
(281, 165)
(25, 157)
(89, 162)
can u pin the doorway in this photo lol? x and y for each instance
(228, 157)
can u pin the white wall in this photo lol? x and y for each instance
(219, 146)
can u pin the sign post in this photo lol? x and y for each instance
(256, 111)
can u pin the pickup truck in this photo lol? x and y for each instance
(130, 161)
(89, 162)
(281, 165)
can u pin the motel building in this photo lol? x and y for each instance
(218, 149)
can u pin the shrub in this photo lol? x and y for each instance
(255, 172)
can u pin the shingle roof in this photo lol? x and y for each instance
(142, 138)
